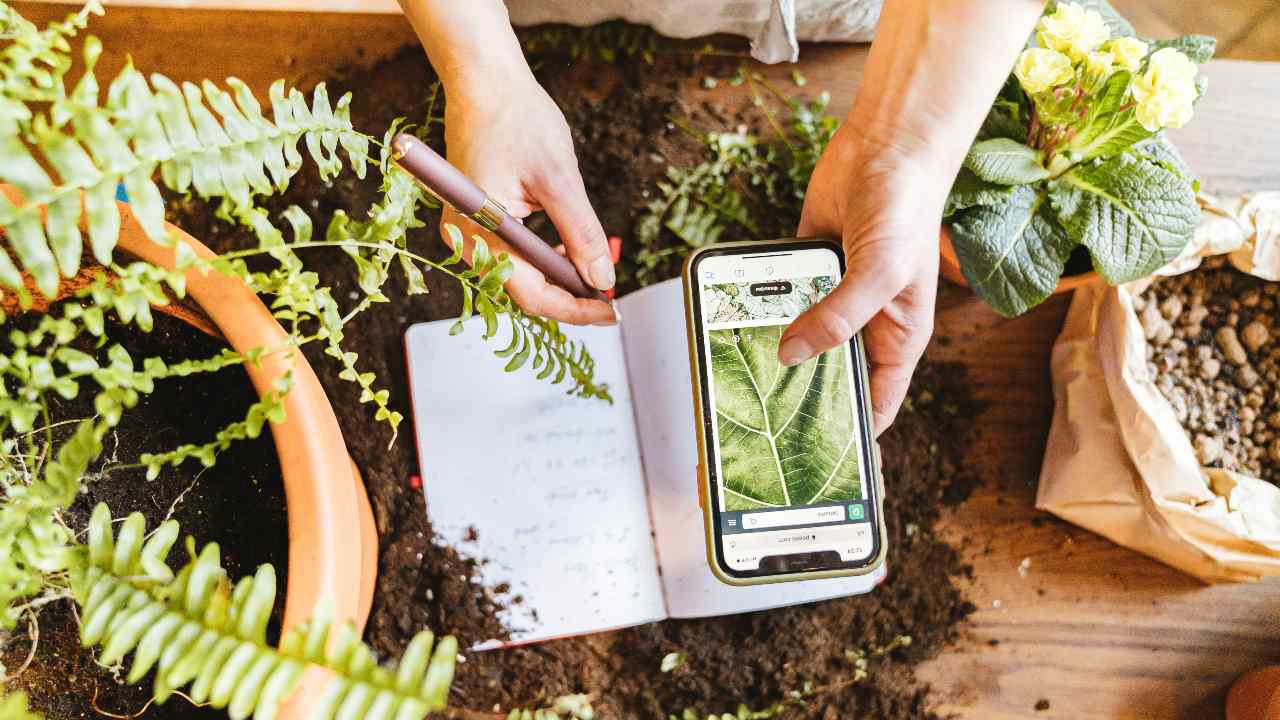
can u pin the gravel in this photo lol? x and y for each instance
(1214, 352)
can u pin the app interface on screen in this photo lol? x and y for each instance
(787, 445)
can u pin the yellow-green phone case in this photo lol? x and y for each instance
(700, 421)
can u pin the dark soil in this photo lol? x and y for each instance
(624, 139)
(239, 504)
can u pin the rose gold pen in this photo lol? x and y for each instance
(449, 184)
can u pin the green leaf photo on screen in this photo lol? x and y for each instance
(787, 436)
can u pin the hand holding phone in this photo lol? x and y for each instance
(788, 472)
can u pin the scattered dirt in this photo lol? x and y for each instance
(619, 118)
(1215, 351)
(239, 504)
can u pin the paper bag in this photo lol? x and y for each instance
(1118, 462)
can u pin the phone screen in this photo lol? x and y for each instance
(789, 456)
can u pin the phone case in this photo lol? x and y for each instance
(700, 421)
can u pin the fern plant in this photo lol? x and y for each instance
(747, 184)
(65, 151)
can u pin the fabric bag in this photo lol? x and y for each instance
(774, 26)
(1118, 462)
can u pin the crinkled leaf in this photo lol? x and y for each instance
(1134, 215)
(1012, 253)
(1005, 161)
(969, 190)
(788, 435)
(1199, 48)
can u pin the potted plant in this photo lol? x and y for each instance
(1071, 162)
(64, 151)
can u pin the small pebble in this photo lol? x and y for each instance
(1210, 368)
(1208, 449)
(1255, 335)
(1247, 377)
(1229, 343)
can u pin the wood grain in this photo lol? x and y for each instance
(1094, 629)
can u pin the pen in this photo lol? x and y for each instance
(449, 184)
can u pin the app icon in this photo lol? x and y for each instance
(857, 512)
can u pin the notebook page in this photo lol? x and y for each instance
(545, 488)
(658, 364)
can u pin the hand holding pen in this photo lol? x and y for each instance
(544, 282)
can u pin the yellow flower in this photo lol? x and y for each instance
(1072, 30)
(1039, 69)
(1166, 92)
(1164, 110)
(1127, 52)
(1099, 64)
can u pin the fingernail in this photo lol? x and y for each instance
(601, 271)
(617, 317)
(794, 350)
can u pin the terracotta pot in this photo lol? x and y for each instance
(949, 266)
(332, 538)
(1255, 695)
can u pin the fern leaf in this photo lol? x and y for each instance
(13, 706)
(194, 628)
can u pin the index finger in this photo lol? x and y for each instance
(527, 286)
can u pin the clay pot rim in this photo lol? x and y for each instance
(332, 536)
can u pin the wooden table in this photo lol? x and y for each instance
(1094, 629)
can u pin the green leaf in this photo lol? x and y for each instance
(969, 190)
(1199, 48)
(1004, 119)
(1110, 125)
(1013, 253)
(1134, 215)
(1159, 150)
(1005, 161)
(788, 435)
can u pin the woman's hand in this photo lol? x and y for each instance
(878, 205)
(516, 145)
(880, 186)
(505, 133)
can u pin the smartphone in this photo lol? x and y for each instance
(787, 476)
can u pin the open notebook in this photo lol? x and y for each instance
(587, 511)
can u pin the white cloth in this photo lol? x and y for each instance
(775, 27)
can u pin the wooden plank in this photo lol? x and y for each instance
(257, 47)
(1224, 19)
(1260, 42)
(1232, 142)
(390, 7)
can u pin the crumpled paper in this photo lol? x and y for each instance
(1118, 462)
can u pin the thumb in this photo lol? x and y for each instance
(859, 297)
(570, 211)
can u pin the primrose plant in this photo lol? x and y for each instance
(1073, 154)
(65, 149)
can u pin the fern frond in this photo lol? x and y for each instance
(13, 706)
(203, 138)
(195, 628)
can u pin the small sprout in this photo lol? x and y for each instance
(671, 661)
(798, 79)
(709, 82)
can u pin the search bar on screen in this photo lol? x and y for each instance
(798, 516)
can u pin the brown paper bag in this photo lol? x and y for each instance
(1118, 462)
